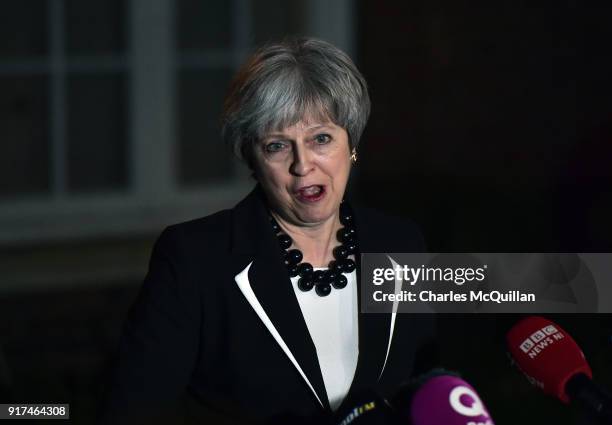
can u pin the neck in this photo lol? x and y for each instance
(316, 242)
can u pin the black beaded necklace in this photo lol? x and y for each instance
(322, 280)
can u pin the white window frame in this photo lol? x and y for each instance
(153, 197)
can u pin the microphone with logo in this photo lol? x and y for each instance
(441, 398)
(552, 361)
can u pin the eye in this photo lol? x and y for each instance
(322, 139)
(273, 147)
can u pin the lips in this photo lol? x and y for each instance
(312, 193)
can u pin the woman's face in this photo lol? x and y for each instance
(303, 170)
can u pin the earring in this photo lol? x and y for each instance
(354, 156)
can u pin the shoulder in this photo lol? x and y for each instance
(388, 232)
(219, 237)
(198, 235)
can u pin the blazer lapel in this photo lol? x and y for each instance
(253, 242)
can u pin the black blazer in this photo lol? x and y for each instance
(194, 341)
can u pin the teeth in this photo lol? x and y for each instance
(312, 190)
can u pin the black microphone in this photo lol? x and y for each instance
(366, 408)
(582, 390)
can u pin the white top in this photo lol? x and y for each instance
(333, 325)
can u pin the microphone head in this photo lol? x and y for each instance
(546, 354)
(365, 408)
(448, 400)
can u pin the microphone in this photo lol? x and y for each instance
(439, 397)
(366, 408)
(552, 361)
(442, 398)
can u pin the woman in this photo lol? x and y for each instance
(252, 313)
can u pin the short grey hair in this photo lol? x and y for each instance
(282, 83)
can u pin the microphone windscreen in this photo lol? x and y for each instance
(448, 400)
(546, 354)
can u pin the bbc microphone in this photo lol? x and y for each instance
(441, 398)
(552, 361)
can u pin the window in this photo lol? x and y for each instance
(109, 118)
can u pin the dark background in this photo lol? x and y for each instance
(491, 128)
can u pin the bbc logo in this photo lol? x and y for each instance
(527, 345)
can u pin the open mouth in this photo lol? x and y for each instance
(311, 193)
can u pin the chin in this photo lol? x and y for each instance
(317, 216)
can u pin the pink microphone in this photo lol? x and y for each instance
(448, 400)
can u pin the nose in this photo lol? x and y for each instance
(302, 162)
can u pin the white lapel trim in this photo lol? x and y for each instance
(398, 289)
(242, 279)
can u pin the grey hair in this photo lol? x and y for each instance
(283, 83)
